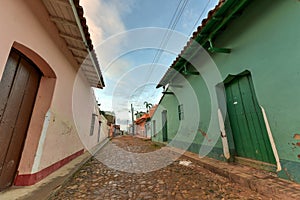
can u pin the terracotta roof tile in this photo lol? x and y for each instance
(199, 29)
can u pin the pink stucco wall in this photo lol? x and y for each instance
(83, 113)
(104, 128)
(35, 31)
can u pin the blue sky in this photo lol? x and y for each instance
(126, 46)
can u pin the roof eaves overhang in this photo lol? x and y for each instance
(216, 20)
(71, 24)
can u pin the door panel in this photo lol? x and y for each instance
(16, 108)
(165, 126)
(238, 141)
(9, 113)
(247, 124)
(7, 81)
(99, 131)
(261, 126)
(251, 114)
(153, 128)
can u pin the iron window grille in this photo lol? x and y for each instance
(180, 112)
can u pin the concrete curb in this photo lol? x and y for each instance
(70, 175)
(51, 184)
(78, 167)
(263, 182)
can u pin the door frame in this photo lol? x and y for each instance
(41, 107)
(220, 88)
(20, 101)
(164, 117)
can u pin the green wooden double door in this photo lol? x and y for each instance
(247, 124)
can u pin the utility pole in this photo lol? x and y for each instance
(127, 127)
(132, 119)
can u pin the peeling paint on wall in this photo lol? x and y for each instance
(204, 135)
(297, 136)
(66, 128)
(288, 174)
(293, 146)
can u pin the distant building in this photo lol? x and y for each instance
(143, 124)
(111, 118)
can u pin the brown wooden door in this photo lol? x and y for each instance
(18, 88)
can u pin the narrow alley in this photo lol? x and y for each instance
(131, 99)
(176, 181)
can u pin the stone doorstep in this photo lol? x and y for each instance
(260, 181)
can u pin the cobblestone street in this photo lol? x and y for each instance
(182, 179)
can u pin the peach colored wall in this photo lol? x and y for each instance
(84, 105)
(104, 128)
(21, 25)
(111, 130)
(140, 128)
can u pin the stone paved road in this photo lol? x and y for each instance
(175, 181)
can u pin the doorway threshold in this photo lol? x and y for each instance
(256, 164)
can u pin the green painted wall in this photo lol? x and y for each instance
(265, 41)
(172, 117)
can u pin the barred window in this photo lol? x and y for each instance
(180, 112)
(93, 124)
(99, 130)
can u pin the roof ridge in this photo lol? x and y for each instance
(199, 29)
(83, 22)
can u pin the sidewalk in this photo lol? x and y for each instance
(49, 185)
(263, 182)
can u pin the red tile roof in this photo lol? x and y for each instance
(146, 116)
(171, 72)
(199, 29)
(214, 22)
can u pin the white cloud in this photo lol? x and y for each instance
(105, 16)
(104, 19)
(123, 79)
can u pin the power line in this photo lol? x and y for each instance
(167, 38)
(172, 25)
(168, 34)
(200, 16)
